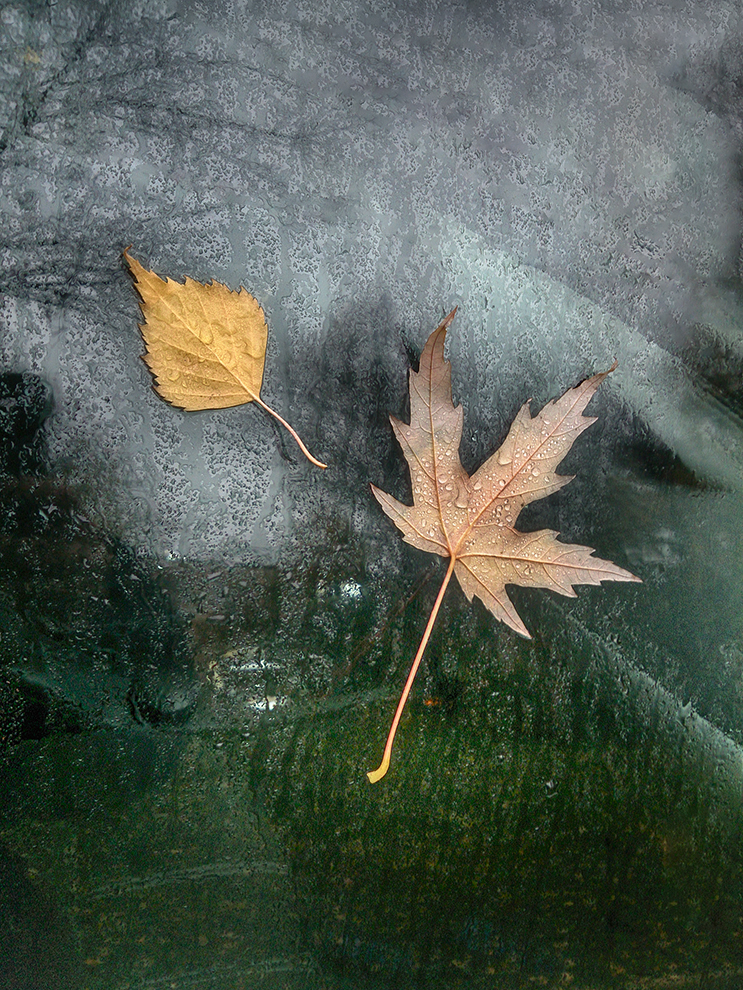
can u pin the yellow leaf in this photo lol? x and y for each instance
(205, 344)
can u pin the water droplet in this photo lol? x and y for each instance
(477, 486)
(504, 457)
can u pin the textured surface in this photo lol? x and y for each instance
(202, 635)
(360, 168)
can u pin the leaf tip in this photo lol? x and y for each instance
(443, 326)
(136, 270)
(131, 263)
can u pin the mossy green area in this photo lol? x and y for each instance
(552, 816)
(504, 849)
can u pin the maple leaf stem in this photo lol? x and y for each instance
(307, 454)
(375, 775)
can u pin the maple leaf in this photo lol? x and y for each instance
(471, 520)
(205, 344)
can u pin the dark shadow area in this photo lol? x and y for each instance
(37, 944)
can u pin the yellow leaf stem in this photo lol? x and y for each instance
(375, 775)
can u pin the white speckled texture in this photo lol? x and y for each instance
(567, 175)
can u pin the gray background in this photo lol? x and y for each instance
(565, 173)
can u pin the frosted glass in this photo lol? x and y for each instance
(202, 637)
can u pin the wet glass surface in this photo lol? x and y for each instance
(202, 638)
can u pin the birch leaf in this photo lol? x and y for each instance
(472, 520)
(205, 344)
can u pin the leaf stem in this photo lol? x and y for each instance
(383, 767)
(307, 454)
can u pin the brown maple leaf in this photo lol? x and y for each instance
(205, 344)
(471, 520)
